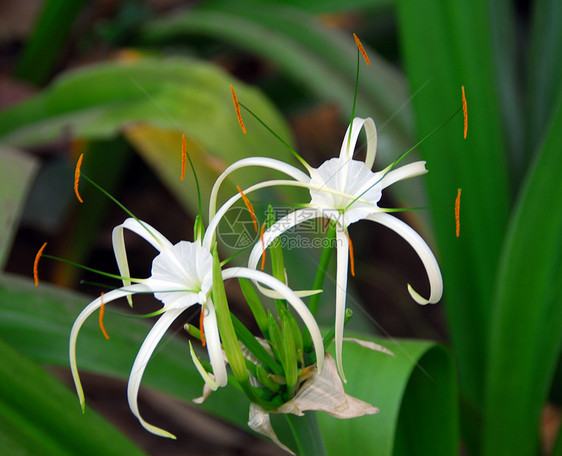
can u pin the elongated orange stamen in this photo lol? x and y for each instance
(237, 108)
(77, 177)
(102, 311)
(250, 208)
(464, 112)
(36, 264)
(183, 155)
(201, 326)
(361, 49)
(263, 246)
(458, 212)
(351, 259)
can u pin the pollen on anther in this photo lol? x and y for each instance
(263, 246)
(77, 177)
(36, 264)
(361, 49)
(183, 155)
(464, 112)
(351, 258)
(237, 109)
(250, 208)
(102, 311)
(458, 212)
(201, 326)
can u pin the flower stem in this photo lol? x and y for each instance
(323, 267)
(306, 433)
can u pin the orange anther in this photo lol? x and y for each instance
(201, 326)
(263, 246)
(361, 49)
(36, 264)
(464, 112)
(183, 155)
(351, 259)
(237, 108)
(250, 208)
(458, 212)
(102, 311)
(77, 177)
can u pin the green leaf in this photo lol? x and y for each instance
(440, 46)
(37, 322)
(154, 101)
(49, 35)
(16, 174)
(319, 58)
(522, 357)
(415, 391)
(38, 415)
(544, 72)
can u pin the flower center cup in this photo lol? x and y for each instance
(337, 183)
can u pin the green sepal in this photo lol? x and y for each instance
(230, 342)
(198, 228)
(264, 377)
(275, 337)
(256, 306)
(192, 331)
(257, 349)
(289, 359)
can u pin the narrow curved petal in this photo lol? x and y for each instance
(89, 310)
(288, 294)
(264, 162)
(209, 381)
(213, 342)
(143, 356)
(423, 251)
(403, 172)
(274, 231)
(214, 222)
(144, 230)
(342, 247)
(348, 144)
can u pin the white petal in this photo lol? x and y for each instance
(214, 222)
(265, 162)
(144, 230)
(143, 356)
(288, 294)
(368, 344)
(342, 247)
(209, 381)
(89, 310)
(423, 251)
(274, 231)
(213, 342)
(348, 144)
(185, 269)
(403, 172)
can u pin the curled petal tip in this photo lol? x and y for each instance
(418, 298)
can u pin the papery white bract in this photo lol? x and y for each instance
(322, 392)
(346, 191)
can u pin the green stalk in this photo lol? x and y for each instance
(322, 268)
(306, 433)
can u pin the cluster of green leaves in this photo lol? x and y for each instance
(500, 275)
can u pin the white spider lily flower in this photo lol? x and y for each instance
(346, 191)
(182, 276)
